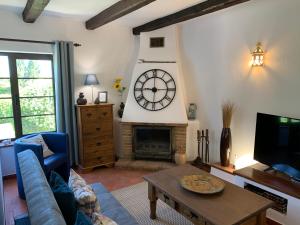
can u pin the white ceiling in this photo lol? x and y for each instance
(83, 10)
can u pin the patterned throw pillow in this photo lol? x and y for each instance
(84, 194)
(38, 139)
(100, 219)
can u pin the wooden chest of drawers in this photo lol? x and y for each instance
(95, 134)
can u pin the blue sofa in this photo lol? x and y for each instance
(59, 161)
(42, 207)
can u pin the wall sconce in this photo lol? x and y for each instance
(258, 56)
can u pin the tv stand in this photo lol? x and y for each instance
(269, 182)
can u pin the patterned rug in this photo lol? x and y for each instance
(135, 200)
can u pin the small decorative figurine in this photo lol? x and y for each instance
(81, 100)
(97, 101)
(192, 111)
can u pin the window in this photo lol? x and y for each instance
(27, 102)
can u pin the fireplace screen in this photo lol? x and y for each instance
(153, 143)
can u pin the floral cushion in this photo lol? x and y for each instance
(84, 194)
(100, 219)
(38, 139)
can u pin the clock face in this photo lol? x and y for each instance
(154, 89)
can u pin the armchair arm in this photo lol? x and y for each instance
(57, 142)
(36, 148)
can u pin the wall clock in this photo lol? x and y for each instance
(154, 90)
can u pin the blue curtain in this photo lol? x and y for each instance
(64, 90)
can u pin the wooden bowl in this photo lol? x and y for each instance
(202, 183)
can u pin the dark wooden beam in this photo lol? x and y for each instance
(115, 11)
(33, 10)
(200, 9)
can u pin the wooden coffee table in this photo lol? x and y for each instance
(232, 206)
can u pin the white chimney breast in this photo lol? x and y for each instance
(175, 112)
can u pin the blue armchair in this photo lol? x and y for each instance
(59, 161)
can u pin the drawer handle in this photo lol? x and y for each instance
(100, 157)
(98, 143)
(89, 114)
(98, 129)
(104, 114)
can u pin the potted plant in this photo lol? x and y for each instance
(120, 88)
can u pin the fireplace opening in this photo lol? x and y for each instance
(152, 143)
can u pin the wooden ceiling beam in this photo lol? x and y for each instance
(200, 9)
(33, 10)
(117, 10)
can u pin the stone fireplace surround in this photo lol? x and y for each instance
(127, 139)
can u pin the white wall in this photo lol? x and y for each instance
(108, 51)
(216, 53)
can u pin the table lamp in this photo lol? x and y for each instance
(91, 80)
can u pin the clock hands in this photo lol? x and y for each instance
(154, 88)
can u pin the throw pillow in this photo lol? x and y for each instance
(100, 219)
(64, 197)
(82, 219)
(84, 194)
(38, 139)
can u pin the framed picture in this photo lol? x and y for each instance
(102, 95)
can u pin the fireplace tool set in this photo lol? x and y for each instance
(202, 159)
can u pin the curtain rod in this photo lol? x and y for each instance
(33, 41)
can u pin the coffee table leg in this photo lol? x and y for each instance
(153, 200)
(261, 218)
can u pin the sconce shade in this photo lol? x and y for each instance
(258, 56)
(91, 79)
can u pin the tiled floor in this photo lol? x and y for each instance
(112, 178)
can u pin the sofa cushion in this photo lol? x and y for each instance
(82, 219)
(64, 197)
(84, 194)
(38, 139)
(41, 204)
(111, 208)
(54, 161)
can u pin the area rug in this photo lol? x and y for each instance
(135, 200)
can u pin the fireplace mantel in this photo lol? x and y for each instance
(155, 124)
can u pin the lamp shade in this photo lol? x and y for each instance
(91, 79)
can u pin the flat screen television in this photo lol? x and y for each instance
(277, 140)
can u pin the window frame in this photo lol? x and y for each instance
(14, 85)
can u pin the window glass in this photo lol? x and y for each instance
(7, 128)
(34, 108)
(35, 124)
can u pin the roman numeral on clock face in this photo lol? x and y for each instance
(168, 98)
(171, 89)
(154, 73)
(153, 106)
(146, 103)
(146, 76)
(138, 89)
(140, 98)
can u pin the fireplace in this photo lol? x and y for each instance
(152, 143)
(137, 141)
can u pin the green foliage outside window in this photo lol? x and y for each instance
(37, 103)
